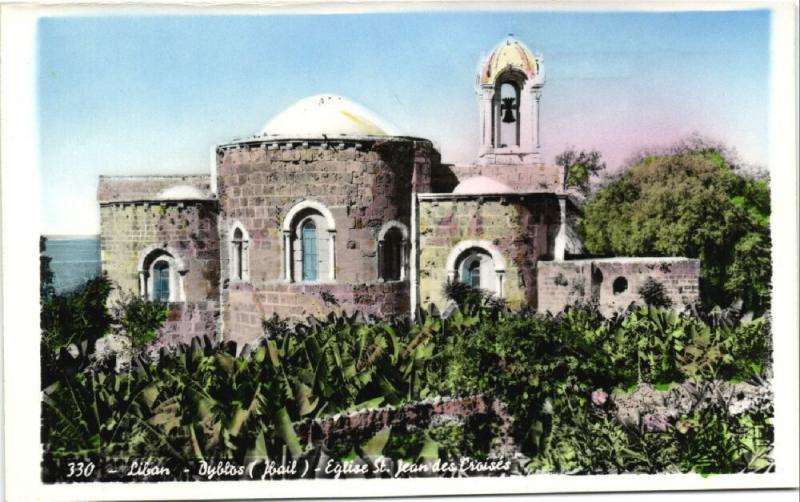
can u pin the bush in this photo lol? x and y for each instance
(693, 202)
(137, 319)
(79, 318)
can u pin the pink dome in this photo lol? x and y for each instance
(479, 185)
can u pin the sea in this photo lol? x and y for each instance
(74, 260)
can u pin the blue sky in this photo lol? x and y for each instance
(149, 95)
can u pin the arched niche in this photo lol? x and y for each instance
(161, 271)
(477, 258)
(309, 243)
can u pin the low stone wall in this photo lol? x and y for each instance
(360, 426)
(653, 410)
(614, 282)
(245, 307)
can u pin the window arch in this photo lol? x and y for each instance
(161, 274)
(478, 264)
(310, 258)
(239, 253)
(506, 116)
(392, 252)
(309, 243)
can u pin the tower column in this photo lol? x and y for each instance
(287, 256)
(561, 238)
(486, 93)
(536, 94)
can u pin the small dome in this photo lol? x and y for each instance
(181, 192)
(326, 115)
(481, 185)
(511, 54)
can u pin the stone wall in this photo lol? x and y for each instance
(522, 178)
(127, 229)
(187, 320)
(363, 183)
(521, 228)
(564, 283)
(187, 228)
(247, 307)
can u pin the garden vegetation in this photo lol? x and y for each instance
(214, 401)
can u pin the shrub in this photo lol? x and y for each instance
(137, 319)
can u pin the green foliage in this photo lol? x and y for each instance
(587, 441)
(580, 167)
(77, 318)
(137, 318)
(209, 401)
(689, 203)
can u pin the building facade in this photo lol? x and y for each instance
(327, 210)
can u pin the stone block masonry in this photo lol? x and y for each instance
(362, 183)
(187, 320)
(146, 188)
(614, 282)
(130, 226)
(520, 227)
(246, 307)
(127, 229)
(530, 178)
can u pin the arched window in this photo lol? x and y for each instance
(161, 274)
(309, 243)
(477, 270)
(161, 281)
(508, 114)
(478, 264)
(474, 276)
(240, 259)
(392, 252)
(310, 258)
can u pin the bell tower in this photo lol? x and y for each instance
(510, 86)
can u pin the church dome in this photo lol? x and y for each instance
(181, 192)
(511, 54)
(326, 115)
(481, 185)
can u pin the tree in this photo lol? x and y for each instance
(689, 202)
(579, 167)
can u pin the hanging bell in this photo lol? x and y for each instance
(508, 109)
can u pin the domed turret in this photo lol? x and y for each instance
(509, 55)
(509, 84)
(326, 115)
(481, 185)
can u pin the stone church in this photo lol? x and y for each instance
(325, 210)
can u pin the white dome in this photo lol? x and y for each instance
(327, 115)
(181, 192)
(478, 185)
